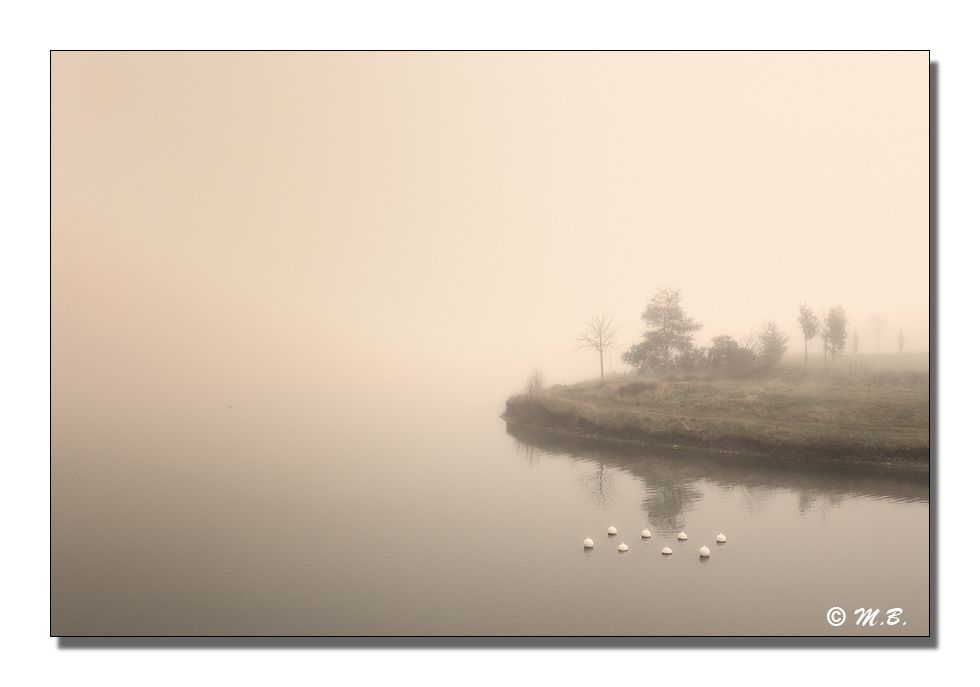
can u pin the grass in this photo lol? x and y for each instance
(843, 413)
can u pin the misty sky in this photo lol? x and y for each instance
(229, 220)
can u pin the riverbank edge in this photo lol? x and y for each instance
(531, 413)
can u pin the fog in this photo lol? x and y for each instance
(360, 225)
(291, 293)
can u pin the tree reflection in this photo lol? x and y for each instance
(530, 451)
(600, 485)
(667, 500)
(671, 476)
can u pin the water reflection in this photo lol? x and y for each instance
(671, 477)
(530, 451)
(600, 485)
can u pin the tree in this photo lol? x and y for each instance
(809, 325)
(901, 341)
(670, 333)
(535, 383)
(772, 344)
(855, 342)
(877, 325)
(693, 359)
(730, 357)
(835, 332)
(600, 336)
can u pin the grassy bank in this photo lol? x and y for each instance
(868, 416)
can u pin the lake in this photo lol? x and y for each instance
(275, 513)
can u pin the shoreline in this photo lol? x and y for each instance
(868, 431)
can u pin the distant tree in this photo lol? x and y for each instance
(835, 332)
(535, 383)
(722, 349)
(901, 341)
(772, 345)
(669, 335)
(809, 325)
(877, 325)
(855, 342)
(752, 342)
(729, 357)
(694, 359)
(825, 337)
(600, 336)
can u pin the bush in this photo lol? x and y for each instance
(730, 358)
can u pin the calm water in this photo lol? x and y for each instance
(377, 517)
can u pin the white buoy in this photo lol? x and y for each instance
(623, 547)
(721, 539)
(612, 530)
(588, 543)
(646, 534)
(704, 552)
(666, 551)
(682, 536)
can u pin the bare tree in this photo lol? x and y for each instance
(600, 336)
(535, 383)
(877, 325)
(809, 325)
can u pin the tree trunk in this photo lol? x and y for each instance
(804, 352)
(602, 369)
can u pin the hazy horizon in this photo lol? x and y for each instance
(350, 219)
